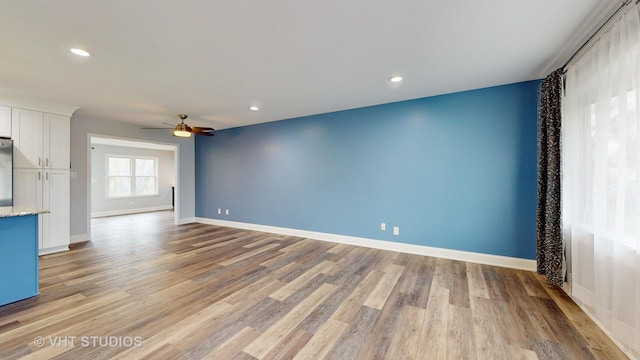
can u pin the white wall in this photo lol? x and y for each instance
(101, 205)
(83, 126)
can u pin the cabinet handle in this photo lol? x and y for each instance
(39, 161)
(39, 175)
(47, 162)
(47, 176)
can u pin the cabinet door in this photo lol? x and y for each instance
(56, 199)
(5, 121)
(26, 128)
(57, 132)
(27, 191)
(27, 188)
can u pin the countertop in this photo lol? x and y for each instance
(11, 211)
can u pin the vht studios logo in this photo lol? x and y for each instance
(88, 341)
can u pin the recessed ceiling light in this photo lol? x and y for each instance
(254, 108)
(80, 52)
(395, 79)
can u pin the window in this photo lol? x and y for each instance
(131, 176)
(601, 178)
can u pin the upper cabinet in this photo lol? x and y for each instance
(41, 140)
(5, 122)
(56, 141)
(27, 127)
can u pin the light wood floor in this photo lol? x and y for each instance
(199, 291)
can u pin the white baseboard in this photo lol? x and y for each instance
(496, 260)
(188, 220)
(53, 250)
(79, 238)
(98, 214)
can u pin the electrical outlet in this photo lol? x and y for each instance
(219, 211)
(226, 211)
(396, 230)
(383, 226)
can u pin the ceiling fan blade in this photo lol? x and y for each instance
(201, 132)
(154, 128)
(202, 128)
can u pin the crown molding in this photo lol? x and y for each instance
(23, 102)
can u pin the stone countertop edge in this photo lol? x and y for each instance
(12, 211)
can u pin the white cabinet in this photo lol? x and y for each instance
(41, 140)
(26, 130)
(41, 172)
(56, 141)
(56, 199)
(49, 190)
(5, 121)
(27, 188)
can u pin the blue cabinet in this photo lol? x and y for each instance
(18, 258)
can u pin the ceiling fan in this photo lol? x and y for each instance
(184, 130)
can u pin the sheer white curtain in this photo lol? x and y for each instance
(601, 179)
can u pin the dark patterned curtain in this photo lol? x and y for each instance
(548, 222)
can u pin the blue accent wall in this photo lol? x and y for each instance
(455, 171)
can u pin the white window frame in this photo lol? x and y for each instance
(132, 164)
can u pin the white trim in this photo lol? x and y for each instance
(53, 250)
(74, 239)
(188, 221)
(98, 214)
(495, 260)
(37, 105)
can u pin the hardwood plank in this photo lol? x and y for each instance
(489, 344)
(351, 305)
(324, 267)
(378, 297)
(180, 330)
(461, 342)
(289, 346)
(276, 333)
(406, 339)
(381, 334)
(354, 336)
(249, 254)
(338, 248)
(477, 285)
(531, 284)
(234, 344)
(323, 340)
(518, 353)
(435, 325)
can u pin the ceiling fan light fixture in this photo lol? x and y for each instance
(181, 130)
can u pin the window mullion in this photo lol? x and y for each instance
(134, 191)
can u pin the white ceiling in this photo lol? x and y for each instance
(211, 59)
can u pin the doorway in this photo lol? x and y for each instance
(129, 176)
